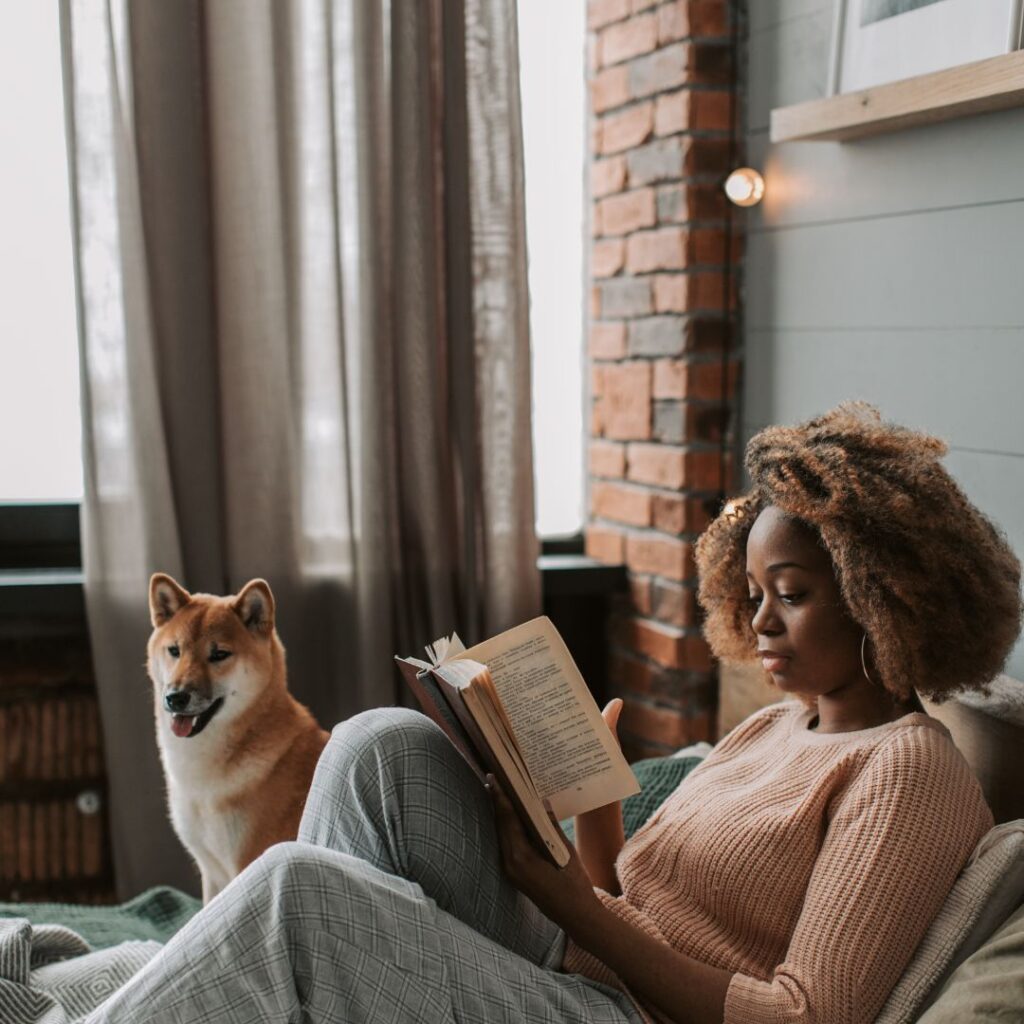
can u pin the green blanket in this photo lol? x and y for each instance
(155, 914)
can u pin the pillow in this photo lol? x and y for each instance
(989, 985)
(658, 778)
(989, 888)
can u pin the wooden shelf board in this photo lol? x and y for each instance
(996, 83)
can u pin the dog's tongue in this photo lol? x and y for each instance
(181, 725)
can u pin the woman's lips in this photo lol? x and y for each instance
(773, 662)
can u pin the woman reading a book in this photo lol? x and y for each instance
(790, 876)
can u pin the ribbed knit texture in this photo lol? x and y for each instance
(809, 864)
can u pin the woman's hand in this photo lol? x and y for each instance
(599, 833)
(565, 895)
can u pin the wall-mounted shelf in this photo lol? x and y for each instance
(993, 84)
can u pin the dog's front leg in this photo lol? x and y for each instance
(210, 889)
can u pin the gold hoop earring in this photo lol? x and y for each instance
(863, 660)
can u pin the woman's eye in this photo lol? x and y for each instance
(174, 651)
(219, 655)
(753, 599)
(790, 598)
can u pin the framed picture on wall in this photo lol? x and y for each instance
(879, 41)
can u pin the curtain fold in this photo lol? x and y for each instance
(300, 256)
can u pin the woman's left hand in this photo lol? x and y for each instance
(565, 895)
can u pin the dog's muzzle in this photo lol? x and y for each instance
(183, 724)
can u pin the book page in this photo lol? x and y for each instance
(572, 756)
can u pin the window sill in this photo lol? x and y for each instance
(44, 593)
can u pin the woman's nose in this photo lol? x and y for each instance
(765, 622)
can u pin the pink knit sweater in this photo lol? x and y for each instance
(809, 864)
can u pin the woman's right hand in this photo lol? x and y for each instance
(599, 833)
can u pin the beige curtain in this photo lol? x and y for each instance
(303, 319)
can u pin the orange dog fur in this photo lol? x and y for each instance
(238, 750)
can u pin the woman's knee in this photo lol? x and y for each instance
(381, 733)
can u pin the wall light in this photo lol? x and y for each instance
(745, 186)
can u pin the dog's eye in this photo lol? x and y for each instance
(174, 650)
(219, 655)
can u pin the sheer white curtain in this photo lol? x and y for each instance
(302, 310)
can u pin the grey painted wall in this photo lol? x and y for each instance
(887, 269)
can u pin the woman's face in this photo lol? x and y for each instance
(805, 637)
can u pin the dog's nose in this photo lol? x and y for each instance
(177, 700)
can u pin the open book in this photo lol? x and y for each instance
(517, 706)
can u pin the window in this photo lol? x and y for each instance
(552, 82)
(40, 432)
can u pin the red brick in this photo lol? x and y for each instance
(604, 12)
(710, 63)
(672, 468)
(628, 673)
(604, 544)
(597, 418)
(710, 335)
(609, 89)
(660, 555)
(631, 505)
(690, 110)
(657, 464)
(663, 644)
(627, 401)
(704, 471)
(595, 302)
(640, 595)
(667, 645)
(621, 214)
(664, 249)
(707, 156)
(673, 603)
(676, 513)
(675, 378)
(712, 111)
(608, 176)
(708, 422)
(628, 39)
(596, 380)
(686, 293)
(626, 128)
(642, 5)
(688, 692)
(607, 459)
(606, 257)
(607, 340)
(684, 19)
(667, 728)
(709, 245)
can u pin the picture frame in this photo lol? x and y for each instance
(880, 41)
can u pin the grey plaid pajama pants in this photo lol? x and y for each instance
(391, 907)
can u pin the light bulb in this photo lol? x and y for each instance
(745, 186)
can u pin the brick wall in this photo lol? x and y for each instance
(661, 373)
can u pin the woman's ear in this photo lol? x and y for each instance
(254, 605)
(166, 598)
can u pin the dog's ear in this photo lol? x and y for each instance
(166, 598)
(254, 605)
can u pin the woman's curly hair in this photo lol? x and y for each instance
(928, 577)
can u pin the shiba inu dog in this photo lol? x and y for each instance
(238, 750)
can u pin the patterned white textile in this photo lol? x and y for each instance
(390, 908)
(49, 975)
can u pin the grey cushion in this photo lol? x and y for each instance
(989, 985)
(989, 888)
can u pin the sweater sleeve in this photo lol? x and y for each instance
(897, 840)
